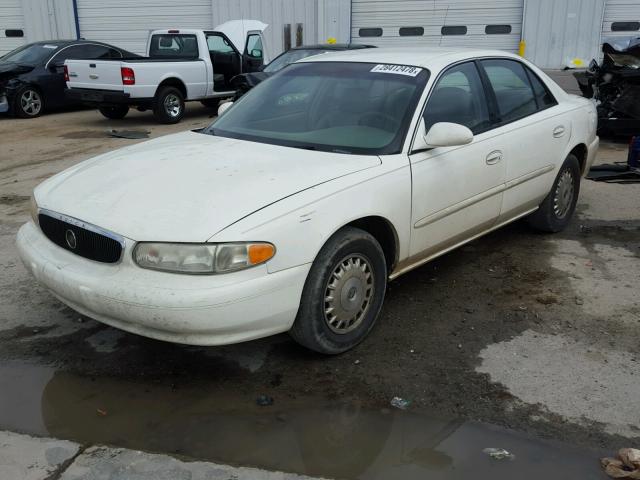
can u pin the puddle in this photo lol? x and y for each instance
(338, 439)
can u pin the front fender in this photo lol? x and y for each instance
(301, 224)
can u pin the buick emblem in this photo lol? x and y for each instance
(70, 237)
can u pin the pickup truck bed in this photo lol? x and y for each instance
(181, 65)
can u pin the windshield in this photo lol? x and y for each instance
(35, 54)
(332, 106)
(291, 56)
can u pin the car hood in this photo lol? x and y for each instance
(188, 186)
(9, 69)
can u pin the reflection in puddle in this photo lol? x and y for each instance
(303, 435)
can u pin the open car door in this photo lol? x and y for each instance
(247, 37)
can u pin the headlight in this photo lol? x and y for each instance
(33, 209)
(202, 258)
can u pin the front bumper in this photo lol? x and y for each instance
(4, 103)
(189, 309)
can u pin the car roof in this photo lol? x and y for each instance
(333, 46)
(70, 42)
(426, 57)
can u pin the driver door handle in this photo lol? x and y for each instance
(494, 157)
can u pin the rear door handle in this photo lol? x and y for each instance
(558, 131)
(494, 157)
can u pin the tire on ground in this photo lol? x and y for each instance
(346, 250)
(168, 106)
(556, 210)
(34, 106)
(114, 113)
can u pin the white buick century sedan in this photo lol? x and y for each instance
(297, 205)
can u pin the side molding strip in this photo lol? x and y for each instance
(445, 212)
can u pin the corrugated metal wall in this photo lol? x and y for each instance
(48, 19)
(558, 32)
(432, 15)
(276, 13)
(11, 18)
(620, 11)
(127, 23)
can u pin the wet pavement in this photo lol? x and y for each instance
(307, 435)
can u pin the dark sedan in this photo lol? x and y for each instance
(246, 81)
(32, 76)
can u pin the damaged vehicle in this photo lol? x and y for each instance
(246, 81)
(293, 209)
(615, 86)
(32, 76)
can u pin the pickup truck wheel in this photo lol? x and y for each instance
(169, 105)
(28, 102)
(343, 293)
(556, 210)
(114, 113)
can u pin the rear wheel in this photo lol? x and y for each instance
(169, 105)
(114, 113)
(556, 210)
(343, 294)
(28, 102)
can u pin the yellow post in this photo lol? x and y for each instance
(521, 48)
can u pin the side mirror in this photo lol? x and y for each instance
(442, 134)
(224, 107)
(256, 53)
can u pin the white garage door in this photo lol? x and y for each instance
(621, 18)
(126, 24)
(468, 23)
(12, 34)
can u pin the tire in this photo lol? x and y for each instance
(359, 258)
(28, 102)
(211, 103)
(115, 113)
(556, 210)
(168, 106)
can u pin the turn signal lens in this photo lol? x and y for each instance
(33, 209)
(260, 253)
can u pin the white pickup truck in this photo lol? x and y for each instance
(182, 65)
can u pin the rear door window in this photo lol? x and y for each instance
(458, 97)
(514, 96)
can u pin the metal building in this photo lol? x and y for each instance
(554, 32)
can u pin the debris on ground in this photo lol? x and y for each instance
(264, 401)
(499, 453)
(102, 413)
(400, 403)
(625, 465)
(130, 134)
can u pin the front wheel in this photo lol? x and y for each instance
(556, 210)
(28, 102)
(115, 113)
(343, 294)
(169, 105)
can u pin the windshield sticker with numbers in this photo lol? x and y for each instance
(397, 69)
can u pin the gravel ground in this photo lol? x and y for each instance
(539, 333)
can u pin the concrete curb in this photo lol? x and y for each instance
(23, 457)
